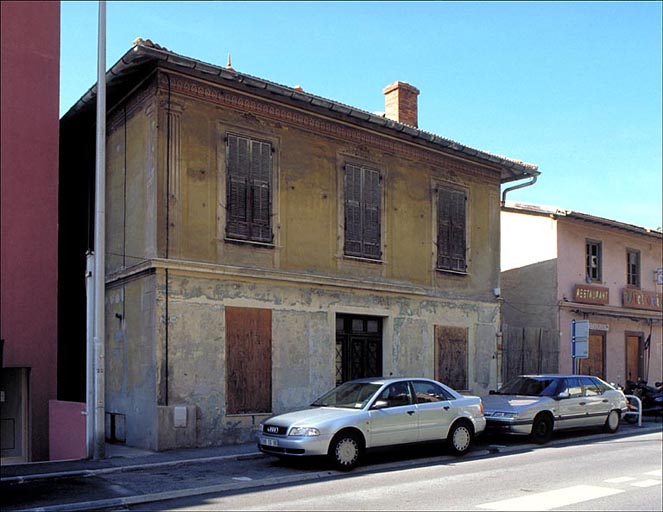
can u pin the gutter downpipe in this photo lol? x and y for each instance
(515, 187)
(100, 245)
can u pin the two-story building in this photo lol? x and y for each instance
(264, 244)
(561, 266)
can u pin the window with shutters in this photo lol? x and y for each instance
(633, 268)
(593, 261)
(362, 219)
(249, 189)
(451, 229)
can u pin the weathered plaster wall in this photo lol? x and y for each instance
(132, 358)
(303, 341)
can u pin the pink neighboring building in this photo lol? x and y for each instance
(30, 33)
(559, 266)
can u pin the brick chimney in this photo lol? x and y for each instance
(400, 103)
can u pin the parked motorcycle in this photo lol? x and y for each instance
(651, 398)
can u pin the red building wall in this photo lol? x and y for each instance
(30, 36)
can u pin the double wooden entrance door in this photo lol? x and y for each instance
(358, 347)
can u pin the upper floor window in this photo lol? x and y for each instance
(362, 192)
(249, 189)
(593, 260)
(451, 227)
(633, 267)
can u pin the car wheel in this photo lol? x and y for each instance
(612, 422)
(345, 451)
(460, 437)
(542, 429)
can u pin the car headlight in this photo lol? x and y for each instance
(504, 415)
(304, 431)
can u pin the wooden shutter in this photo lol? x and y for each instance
(451, 244)
(248, 360)
(371, 213)
(238, 156)
(451, 356)
(353, 225)
(261, 197)
(362, 190)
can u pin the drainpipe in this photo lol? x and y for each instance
(515, 187)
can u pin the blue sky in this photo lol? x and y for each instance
(573, 87)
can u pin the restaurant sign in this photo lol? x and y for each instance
(591, 294)
(642, 300)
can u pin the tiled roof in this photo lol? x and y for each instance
(554, 211)
(145, 51)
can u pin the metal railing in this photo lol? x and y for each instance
(637, 412)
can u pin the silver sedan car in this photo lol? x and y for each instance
(369, 413)
(537, 405)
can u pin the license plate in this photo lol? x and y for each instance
(270, 442)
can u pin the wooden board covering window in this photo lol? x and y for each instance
(594, 363)
(451, 356)
(248, 360)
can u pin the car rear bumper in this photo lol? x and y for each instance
(506, 426)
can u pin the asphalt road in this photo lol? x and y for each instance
(609, 474)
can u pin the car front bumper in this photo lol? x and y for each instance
(293, 445)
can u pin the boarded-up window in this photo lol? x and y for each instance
(451, 356)
(249, 189)
(451, 216)
(362, 191)
(595, 362)
(248, 360)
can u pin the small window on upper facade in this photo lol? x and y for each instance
(633, 268)
(451, 226)
(249, 189)
(362, 193)
(593, 260)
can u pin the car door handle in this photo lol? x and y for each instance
(606, 401)
(410, 413)
(582, 403)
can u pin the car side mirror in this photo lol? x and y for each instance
(380, 404)
(491, 392)
(563, 394)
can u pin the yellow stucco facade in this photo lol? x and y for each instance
(172, 270)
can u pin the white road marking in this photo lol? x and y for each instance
(656, 472)
(646, 483)
(620, 480)
(552, 499)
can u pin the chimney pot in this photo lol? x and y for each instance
(400, 101)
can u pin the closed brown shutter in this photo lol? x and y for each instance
(362, 190)
(371, 197)
(248, 360)
(451, 244)
(249, 189)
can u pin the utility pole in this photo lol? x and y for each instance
(100, 245)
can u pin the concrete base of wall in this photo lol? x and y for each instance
(177, 427)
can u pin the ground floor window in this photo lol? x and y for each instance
(248, 360)
(594, 363)
(358, 347)
(451, 356)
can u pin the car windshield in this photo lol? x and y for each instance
(530, 386)
(353, 395)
